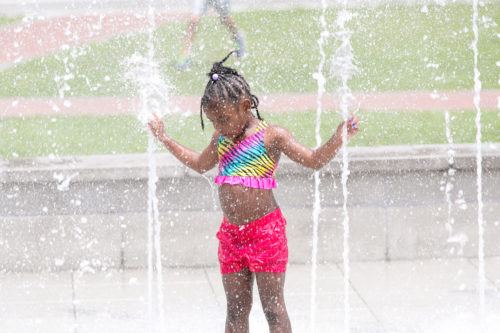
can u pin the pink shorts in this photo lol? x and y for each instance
(260, 245)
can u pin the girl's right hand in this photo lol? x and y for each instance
(157, 127)
(352, 127)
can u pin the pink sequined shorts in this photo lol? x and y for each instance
(260, 246)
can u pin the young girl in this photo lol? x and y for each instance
(252, 240)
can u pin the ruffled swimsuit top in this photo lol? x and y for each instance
(246, 162)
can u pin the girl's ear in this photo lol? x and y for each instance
(244, 105)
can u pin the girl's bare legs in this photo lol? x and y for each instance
(238, 288)
(273, 302)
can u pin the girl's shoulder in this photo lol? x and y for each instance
(275, 134)
(275, 130)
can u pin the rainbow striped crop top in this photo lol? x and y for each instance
(246, 162)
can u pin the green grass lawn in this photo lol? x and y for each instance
(396, 48)
(9, 19)
(41, 136)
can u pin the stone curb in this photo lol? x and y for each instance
(135, 166)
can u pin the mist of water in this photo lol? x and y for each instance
(154, 225)
(450, 175)
(458, 239)
(213, 191)
(477, 107)
(343, 68)
(320, 78)
(153, 94)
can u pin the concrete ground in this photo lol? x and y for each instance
(401, 296)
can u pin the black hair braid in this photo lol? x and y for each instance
(226, 84)
(255, 105)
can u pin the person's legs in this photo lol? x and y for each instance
(231, 26)
(190, 33)
(271, 293)
(184, 61)
(238, 289)
(222, 7)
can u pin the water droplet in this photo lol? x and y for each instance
(59, 262)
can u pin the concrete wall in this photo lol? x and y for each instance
(397, 209)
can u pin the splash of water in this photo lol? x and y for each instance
(154, 239)
(152, 198)
(450, 175)
(343, 68)
(320, 78)
(144, 72)
(213, 191)
(477, 101)
(153, 94)
(460, 239)
(63, 181)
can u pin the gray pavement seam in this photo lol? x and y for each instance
(372, 312)
(470, 261)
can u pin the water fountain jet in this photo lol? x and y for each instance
(343, 69)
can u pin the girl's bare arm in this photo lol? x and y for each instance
(284, 142)
(199, 162)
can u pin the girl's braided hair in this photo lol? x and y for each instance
(225, 84)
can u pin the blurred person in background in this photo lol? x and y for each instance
(200, 7)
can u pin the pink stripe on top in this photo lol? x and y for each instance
(262, 183)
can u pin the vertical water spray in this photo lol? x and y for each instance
(450, 175)
(153, 94)
(213, 191)
(477, 101)
(153, 213)
(343, 69)
(151, 181)
(460, 239)
(447, 184)
(320, 78)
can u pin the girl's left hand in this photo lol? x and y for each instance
(352, 127)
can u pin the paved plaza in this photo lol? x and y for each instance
(401, 296)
